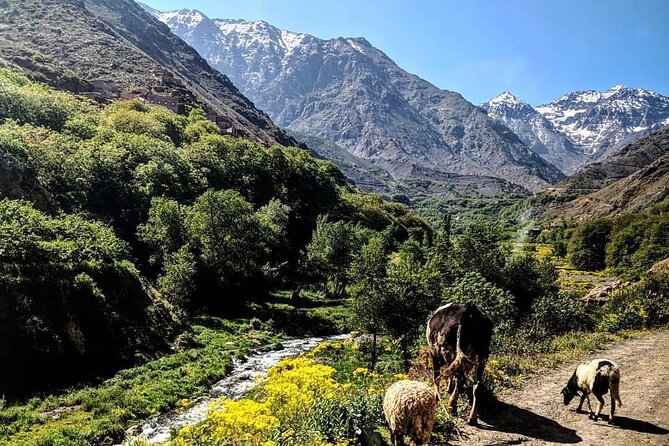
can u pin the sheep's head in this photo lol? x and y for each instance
(568, 395)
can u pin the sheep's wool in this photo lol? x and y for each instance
(410, 408)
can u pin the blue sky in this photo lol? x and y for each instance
(537, 49)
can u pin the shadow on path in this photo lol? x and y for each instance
(507, 418)
(645, 427)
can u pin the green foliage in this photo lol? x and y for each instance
(643, 305)
(498, 304)
(587, 246)
(480, 250)
(68, 289)
(558, 237)
(527, 279)
(413, 289)
(628, 244)
(369, 292)
(218, 243)
(177, 283)
(556, 314)
(213, 221)
(330, 252)
(28, 102)
(141, 167)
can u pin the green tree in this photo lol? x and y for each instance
(480, 250)
(331, 251)
(369, 291)
(165, 230)
(528, 279)
(178, 281)
(498, 304)
(587, 246)
(413, 291)
(227, 235)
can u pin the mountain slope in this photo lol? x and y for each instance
(627, 161)
(603, 122)
(69, 43)
(630, 181)
(634, 193)
(346, 91)
(535, 131)
(367, 177)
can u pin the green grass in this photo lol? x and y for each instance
(310, 315)
(101, 414)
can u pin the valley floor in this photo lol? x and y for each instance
(535, 414)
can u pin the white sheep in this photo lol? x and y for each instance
(410, 408)
(597, 377)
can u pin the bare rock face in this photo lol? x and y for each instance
(70, 43)
(662, 265)
(348, 92)
(601, 294)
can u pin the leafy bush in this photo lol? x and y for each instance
(643, 305)
(527, 279)
(555, 314)
(70, 294)
(28, 102)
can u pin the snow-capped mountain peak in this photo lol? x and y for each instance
(506, 99)
(600, 122)
(535, 131)
(182, 19)
(261, 34)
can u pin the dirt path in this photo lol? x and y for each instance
(535, 414)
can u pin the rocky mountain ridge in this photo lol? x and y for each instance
(582, 127)
(536, 131)
(70, 43)
(350, 93)
(600, 123)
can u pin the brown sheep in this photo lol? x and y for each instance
(410, 408)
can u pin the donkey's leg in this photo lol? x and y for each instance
(453, 400)
(473, 414)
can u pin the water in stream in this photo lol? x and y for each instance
(241, 379)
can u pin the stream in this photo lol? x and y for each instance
(244, 375)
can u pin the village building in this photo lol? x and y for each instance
(105, 89)
(167, 101)
(132, 96)
(225, 124)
